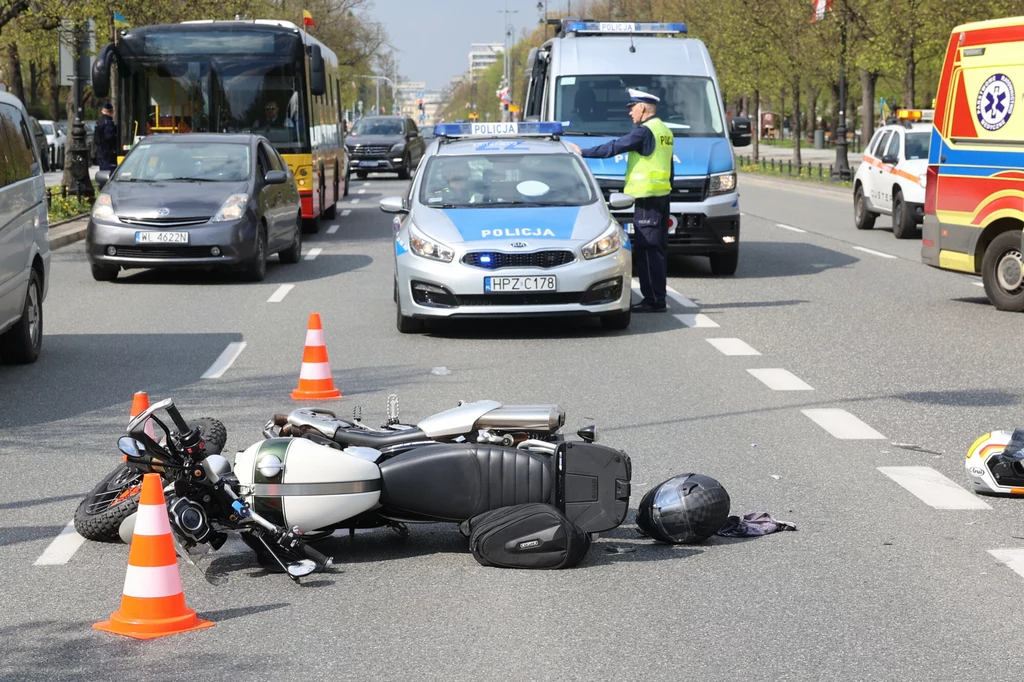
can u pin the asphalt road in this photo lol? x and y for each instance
(900, 367)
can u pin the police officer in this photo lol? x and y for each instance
(105, 137)
(649, 179)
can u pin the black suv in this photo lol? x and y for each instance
(389, 144)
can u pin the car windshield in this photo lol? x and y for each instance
(184, 162)
(917, 146)
(47, 128)
(596, 105)
(491, 180)
(369, 126)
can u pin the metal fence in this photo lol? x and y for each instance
(63, 192)
(807, 170)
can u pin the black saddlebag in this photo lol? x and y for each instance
(526, 536)
(592, 485)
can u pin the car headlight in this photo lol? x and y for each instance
(398, 148)
(722, 183)
(424, 246)
(922, 179)
(232, 209)
(609, 242)
(103, 208)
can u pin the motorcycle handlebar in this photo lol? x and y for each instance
(320, 559)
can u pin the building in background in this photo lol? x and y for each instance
(412, 93)
(482, 55)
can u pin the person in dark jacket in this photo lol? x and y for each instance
(106, 138)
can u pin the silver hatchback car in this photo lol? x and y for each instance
(24, 246)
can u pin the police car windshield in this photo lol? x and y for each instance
(596, 105)
(503, 179)
(917, 146)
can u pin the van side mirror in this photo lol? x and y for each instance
(317, 74)
(739, 132)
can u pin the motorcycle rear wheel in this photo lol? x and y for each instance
(116, 497)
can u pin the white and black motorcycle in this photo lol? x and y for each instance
(283, 492)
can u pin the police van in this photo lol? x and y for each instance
(974, 198)
(580, 78)
(892, 175)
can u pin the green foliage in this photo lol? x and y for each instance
(63, 208)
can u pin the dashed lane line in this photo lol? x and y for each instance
(63, 547)
(680, 299)
(732, 347)
(934, 489)
(1013, 558)
(332, 229)
(362, 191)
(874, 253)
(313, 253)
(698, 320)
(347, 212)
(842, 424)
(354, 201)
(224, 362)
(281, 292)
(779, 379)
(978, 284)
(790, 228)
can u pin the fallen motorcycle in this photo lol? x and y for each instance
(282, 492)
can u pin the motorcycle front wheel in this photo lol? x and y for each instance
(116, 497)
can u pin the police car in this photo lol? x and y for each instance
(892, 176)
(502, 219)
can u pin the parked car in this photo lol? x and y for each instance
(391, 144)
(24, 246)
(199, 200)
(427, 132)
(42, 146)
(56, 142)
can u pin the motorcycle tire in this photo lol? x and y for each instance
(116, 497)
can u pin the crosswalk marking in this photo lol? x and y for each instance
(281, 292)
(732, 347)
(680, 299)
(62, 548)
(698, 320)
(842, 424)
(1013, 558)
(934, 489)
(779, 379)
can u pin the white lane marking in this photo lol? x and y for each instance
(780, 379)
(742, 214)
(698, 320)
(874, 253)
(732, 347)
(313, 253)
(62, 548)
(842, 424)
(347, 212)
(680, 299)
(1013, 558)
(790, 228)
(354, 201)
(978, 284)
(281, 292)
(332, 229)
(934, 489)
(224, 362)
(362, 191)
(366, 184)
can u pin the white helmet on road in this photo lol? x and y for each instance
(992, 472)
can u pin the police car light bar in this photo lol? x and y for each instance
(606, 27)
(498, 129)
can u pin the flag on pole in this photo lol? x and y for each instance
(120, 21)
(307, 19)
(821, 7)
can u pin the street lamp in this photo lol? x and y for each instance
(842, 157)
(394, 96)
(81, 183)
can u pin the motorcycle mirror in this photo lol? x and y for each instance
(301, 568)
(588, 433)
(131, 448)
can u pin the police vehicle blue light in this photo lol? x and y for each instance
(498, 129)
(606, 27)
(485, 259)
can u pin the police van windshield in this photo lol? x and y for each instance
(493, 180)
(917, 146)
(596, 105)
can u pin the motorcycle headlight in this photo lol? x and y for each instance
(609, 242)
(424, 246)
(922, 179)
(103, 208)
(398, 148)
(722, 183)
(232, 209)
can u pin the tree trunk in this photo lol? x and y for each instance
(33, 82)
(745, 106)
(796, 121)
(908, 73)
(755, 120)
(54, 99)
(867, 90)
(14, 64)
(812, 107)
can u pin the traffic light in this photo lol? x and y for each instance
(422, 107)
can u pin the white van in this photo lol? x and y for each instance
(24, 244)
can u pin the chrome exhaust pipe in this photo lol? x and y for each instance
(547, 418)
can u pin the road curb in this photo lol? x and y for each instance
(67, 232)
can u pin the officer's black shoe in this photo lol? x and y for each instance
(648, 308)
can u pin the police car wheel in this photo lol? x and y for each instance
(903, 225)
(1001, 272)
(616, 322)
(862, 217)
(407, 325)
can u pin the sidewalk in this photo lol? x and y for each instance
(67, 232)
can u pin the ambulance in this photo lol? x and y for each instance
(974, 190)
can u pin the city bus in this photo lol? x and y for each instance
(265, 77)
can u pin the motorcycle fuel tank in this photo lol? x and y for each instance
(295, 482)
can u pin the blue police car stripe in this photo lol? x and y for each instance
(551, 222)
(399, 248)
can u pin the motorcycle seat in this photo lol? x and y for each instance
(375, 439)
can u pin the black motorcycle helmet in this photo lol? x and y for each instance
(685, 509)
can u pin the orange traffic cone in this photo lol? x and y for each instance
(140, 403)
(152, 603)
(315, 382)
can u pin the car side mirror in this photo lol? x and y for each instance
(618, 200)
(739, 132)
(393, 205)
(275, 177)
(890, 159)
(102, 177)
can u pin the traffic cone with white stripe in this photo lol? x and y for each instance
(140, 403)
(315, 382)
(152, 603)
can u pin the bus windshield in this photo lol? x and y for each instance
(174, 87)
(596, 105)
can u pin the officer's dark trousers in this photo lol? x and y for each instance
(650, 247)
